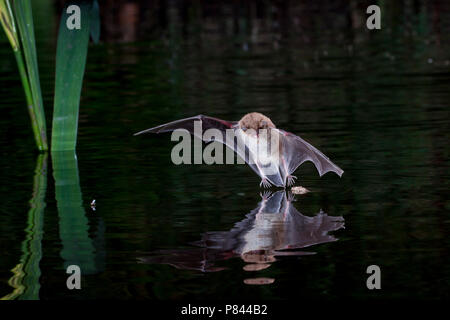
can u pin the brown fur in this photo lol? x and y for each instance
(255, 121)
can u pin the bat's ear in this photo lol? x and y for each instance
(244, 128)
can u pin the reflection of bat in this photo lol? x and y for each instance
(273, 229)
(274, 225)
(272, 153)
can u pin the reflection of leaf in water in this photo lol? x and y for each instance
(73, 224)
(274, 228)
(25, 280)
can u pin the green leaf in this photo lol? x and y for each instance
(7, 21)
(24, 18)
(71, 56)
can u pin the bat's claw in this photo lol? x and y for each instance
(290, 180)
(265, 183)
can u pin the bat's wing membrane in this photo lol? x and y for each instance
(213, 123)
(188, 124)
(207, 123)
(296, 151)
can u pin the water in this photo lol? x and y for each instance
(376, 103)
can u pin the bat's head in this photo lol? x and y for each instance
(255, 121)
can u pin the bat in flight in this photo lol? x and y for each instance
(274, 154)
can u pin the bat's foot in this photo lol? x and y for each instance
(290, 179)
(265, 195)
(265, 183)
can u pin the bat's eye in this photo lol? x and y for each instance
(264, 124)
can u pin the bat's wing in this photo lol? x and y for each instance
(188, 124)
(295, 151)
(244, 150)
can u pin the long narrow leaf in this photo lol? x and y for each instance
(34, 101)
(24, 18)
(71, 55)
(8, 24)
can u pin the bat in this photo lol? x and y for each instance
(274, 154)
(274, 228)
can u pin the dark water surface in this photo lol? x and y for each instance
(376, 103)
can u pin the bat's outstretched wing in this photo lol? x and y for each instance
(211, 123)
(295, 151)
(188, 124)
